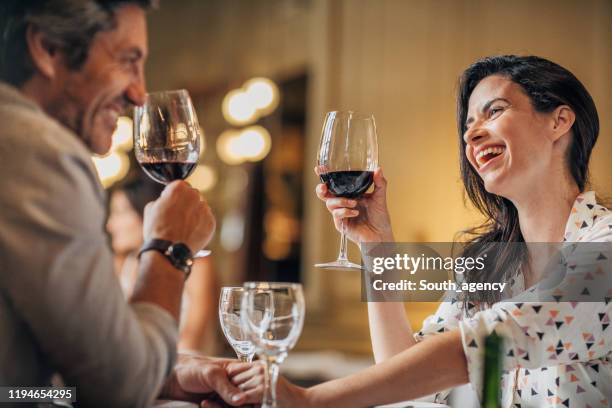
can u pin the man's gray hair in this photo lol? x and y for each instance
(68, 25)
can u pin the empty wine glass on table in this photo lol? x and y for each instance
(348, 156)
(230, 303)
(273, 317)
(167, 137)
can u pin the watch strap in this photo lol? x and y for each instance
(179, 254)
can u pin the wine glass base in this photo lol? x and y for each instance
(202, 253)
(339, 264)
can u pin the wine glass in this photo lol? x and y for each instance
(272, 316)
(348, 156)
(167, 137)
(230, 304)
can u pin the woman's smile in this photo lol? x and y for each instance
(488, 154)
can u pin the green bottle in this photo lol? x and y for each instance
(493, 362)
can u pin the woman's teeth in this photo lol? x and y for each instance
(487, 154)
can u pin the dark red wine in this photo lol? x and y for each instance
(166, 172)
(349, 183)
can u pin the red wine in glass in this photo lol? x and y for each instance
(167, 171)
(167, 137)
(347, 158)
(348, 183)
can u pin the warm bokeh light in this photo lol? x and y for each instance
(123, 135)
(112, 167)
(256, 98)
(263, 94)
(232, 231)
(202, 142)
(254, 143)
(226, 147)
(238, 109)
(203, 178)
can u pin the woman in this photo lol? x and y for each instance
(526, 130)
(127, 203)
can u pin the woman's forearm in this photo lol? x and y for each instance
(429, 366)
(390, 329)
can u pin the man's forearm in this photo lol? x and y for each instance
(159, 283)
(429, 366)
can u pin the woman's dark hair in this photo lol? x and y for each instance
(69, 25)
(548, 85)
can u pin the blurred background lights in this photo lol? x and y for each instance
(122, 138)
(112, 167)
(203, 178)
(251, 144)
(232, 231)
(254, 143)
(263, 94)
(256, 98)
(116, 164)
(226, 147)
(238, 109)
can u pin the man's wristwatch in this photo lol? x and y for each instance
(178, 254)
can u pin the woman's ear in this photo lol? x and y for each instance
(563, 118)
(45, 56)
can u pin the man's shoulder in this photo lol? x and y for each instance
(43, 157)
(26, 130)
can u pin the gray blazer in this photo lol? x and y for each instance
(61, 307)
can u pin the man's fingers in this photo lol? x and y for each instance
(254, 396)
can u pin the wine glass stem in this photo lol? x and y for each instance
(245, 358)
(342, 255)
(271, 378)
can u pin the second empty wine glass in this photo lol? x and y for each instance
(273, 317)
(230, 303)
(348, 156)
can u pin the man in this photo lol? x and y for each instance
(68, 68)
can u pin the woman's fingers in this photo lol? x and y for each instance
(251, 383)
(236, 367)
(256, 373)
(342, 213)
(322, 192)
(380, 182)
(336, 203)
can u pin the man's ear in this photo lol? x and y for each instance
(44, 55)
(563, 118)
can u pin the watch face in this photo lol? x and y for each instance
(181, 251)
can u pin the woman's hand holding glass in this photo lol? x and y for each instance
(366, 219)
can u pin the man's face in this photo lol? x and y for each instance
(91, 98)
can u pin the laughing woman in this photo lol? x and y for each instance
(526, 127)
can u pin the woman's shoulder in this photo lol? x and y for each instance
(601, 228)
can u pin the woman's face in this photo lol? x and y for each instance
(508, 143)
(124, 224)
